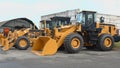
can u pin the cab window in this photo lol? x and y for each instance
(80, 18)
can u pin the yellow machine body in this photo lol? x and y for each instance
(54, 38)
(108, 29)
(46, 45)
(9, 41)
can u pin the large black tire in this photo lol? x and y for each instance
(101, 42)
(68, 40)
(26, 46)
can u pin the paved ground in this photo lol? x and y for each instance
(84, 59)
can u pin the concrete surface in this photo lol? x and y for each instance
(84, 59)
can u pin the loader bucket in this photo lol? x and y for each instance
(43, 46)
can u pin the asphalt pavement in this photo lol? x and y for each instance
(83, 59)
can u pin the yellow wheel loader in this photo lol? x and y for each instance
(86, 32)
(17, 39)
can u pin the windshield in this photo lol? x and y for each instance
(58, 23)
(47, 25)
(80, 18)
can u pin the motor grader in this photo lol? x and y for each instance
(86, 32)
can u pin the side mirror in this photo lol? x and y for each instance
(102, 19)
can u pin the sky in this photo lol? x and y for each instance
(34, 9)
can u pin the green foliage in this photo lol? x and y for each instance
(117, 45)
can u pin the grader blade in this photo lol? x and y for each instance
(43, 46)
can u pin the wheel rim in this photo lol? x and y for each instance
(75, 43)
(22, 43)
(107, 42)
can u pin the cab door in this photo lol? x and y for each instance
(89, 20)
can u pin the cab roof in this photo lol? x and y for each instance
(60, 18)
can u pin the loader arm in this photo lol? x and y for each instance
(62, 35)
(22, 32)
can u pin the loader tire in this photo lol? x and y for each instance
(105, 42)
(73, 43)
(22, 43)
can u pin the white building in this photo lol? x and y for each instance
(109, 19)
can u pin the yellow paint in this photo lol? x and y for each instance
(106, 28)
(107, 42)
(23, 43)
(7, 42)
(45, 45)
(97, 25)
(75, 43)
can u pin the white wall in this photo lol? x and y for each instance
(109, 19)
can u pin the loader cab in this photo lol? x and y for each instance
(87, 19)
(60, 21)
(45, 24)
